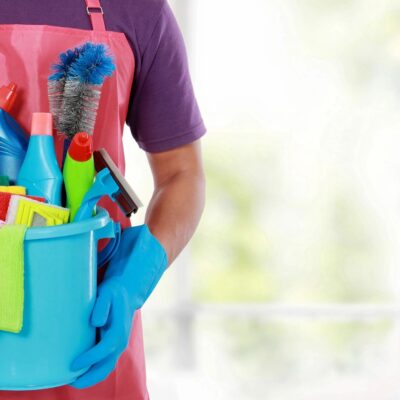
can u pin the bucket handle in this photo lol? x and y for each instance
(111, 230)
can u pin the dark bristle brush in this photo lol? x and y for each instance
(75, 88)
(82, 89)
(56, 81)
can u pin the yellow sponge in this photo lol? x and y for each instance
(13, 189)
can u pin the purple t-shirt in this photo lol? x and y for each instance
(163, 111)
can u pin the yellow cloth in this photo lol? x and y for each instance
(13, 189)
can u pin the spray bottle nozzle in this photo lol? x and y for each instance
(81, 147)
(7, 96)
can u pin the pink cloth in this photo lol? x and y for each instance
(26, 54)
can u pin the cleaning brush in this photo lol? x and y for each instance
(56, 81)
(82, 90)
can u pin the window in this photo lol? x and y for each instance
(290, 287)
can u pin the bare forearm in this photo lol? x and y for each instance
(175, 210)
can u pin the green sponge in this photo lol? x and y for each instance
(12, 278)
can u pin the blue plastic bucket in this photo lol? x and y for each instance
(60, 291)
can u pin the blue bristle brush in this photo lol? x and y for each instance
(80, 74)
(56, 81)
(82, 90)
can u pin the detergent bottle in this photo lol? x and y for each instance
(40, 173)
(78, 171)
(13, 139)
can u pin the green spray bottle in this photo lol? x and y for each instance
(78, 171)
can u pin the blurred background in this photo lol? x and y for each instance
(290, 288)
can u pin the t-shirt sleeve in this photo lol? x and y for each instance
(163, 112)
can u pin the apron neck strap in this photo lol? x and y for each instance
(95, 12)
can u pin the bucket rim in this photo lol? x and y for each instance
(100, 220)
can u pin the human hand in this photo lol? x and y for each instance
(131, 276)
(113, 315)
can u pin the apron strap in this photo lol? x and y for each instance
(95, 12)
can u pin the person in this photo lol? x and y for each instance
(152, 92)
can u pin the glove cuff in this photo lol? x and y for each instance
(138, 264)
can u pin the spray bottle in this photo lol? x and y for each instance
(40, 173)
(13, 139)
(78, 171)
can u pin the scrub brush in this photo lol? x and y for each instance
(56, 81)
(82, 90)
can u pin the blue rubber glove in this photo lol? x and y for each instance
(130, 278)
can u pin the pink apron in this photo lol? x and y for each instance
(26, 54)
